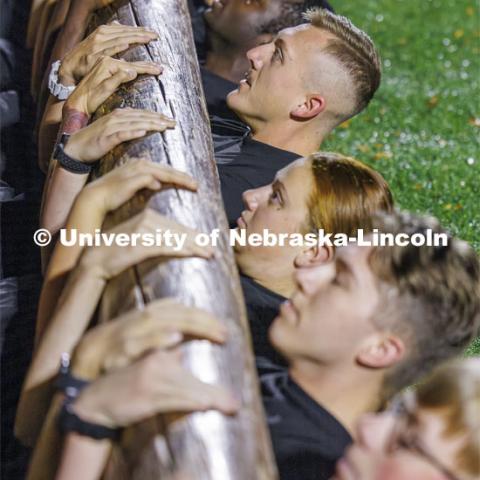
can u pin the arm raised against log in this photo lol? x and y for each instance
(208, 445)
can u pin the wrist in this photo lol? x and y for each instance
(90, 266)
(73, 152)
(74, 118)
(88, 406)
(65, 75)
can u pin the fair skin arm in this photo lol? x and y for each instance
(133, 387)
(77, 304)
(89, 211)
(110, 401)
(106, 40)
(62, 186)
(88, 145)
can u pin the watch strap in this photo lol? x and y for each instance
(69, 421)
(62, 92)
(69, 163)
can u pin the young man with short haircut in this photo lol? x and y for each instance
(224, 31)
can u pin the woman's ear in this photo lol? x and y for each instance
(314, 105)
(314, 256)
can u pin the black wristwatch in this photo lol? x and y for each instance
(69, 163)
(69, 421)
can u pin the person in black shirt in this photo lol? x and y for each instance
(324, 190)
(351, 333)
(300, 86)
(225, 30)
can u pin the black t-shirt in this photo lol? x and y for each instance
(243, 163)
(307, 440)
(262, 307)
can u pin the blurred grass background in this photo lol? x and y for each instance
(422, 130)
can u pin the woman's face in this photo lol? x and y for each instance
(280, 208)
(401, 447)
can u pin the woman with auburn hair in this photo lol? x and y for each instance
(430, 433)
(326, 191)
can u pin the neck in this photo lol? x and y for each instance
(302, 141)
(345, 393)
(280, 285)
(226, 60)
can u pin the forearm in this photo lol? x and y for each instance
(83, 458)
(48, 131)
(62, 187)
(73, 29)
(67, 457)
(85, 219)
(48, 448)
(61, 191)
(76, 306)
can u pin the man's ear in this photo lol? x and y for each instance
(314, 256)
(314, 105)
(381, 351)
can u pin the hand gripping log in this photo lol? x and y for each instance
(199, 446)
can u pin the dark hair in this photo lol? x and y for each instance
(291, 15)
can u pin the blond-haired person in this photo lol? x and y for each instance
(430, 433)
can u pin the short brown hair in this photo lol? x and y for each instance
(435, 303)
(453, 390)
(355, 50)
(346, 194)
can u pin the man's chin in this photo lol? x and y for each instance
(277, 337)
(236, 100)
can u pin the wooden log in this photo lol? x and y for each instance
(207, 445)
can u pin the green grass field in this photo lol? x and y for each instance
(422, 129)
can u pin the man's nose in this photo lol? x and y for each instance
(311, 279)
(250, 199)
(256, 56)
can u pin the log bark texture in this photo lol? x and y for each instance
(207, 445)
